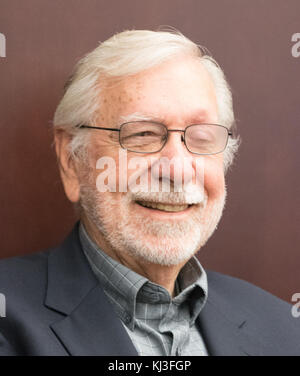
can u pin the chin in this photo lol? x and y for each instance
(163, 252)
(156, 241)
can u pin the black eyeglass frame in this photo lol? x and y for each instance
(229, 134)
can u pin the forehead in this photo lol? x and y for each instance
(180, 89)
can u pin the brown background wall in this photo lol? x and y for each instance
(258, 237)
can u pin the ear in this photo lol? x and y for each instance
(67, 165)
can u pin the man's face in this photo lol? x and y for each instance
(176, 93)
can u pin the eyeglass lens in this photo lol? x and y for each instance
(149, 137)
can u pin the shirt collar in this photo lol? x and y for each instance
(124, 287)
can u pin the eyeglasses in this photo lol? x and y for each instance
(151, 137)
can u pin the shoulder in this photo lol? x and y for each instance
(23, 283)
(237, 295)
(29, 272)
(20, 272)
(239, 289)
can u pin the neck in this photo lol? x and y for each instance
(162, 275)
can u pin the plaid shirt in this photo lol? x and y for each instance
(156, 323)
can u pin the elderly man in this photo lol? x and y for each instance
(143, 137)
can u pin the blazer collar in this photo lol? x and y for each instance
(89, 325)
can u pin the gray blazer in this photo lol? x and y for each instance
(56, 306)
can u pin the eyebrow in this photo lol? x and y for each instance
(136, 116)
(197, 117)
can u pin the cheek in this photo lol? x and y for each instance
(101, 166)
(132, 169)
(214, 181)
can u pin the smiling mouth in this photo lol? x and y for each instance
(163, 206)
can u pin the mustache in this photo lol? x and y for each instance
(189, 195)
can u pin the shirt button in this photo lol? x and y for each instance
(127, 319)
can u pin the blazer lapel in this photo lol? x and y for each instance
(93, 329)
(226, 333)
(89, 325)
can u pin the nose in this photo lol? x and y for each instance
(175, 144)
(179, 160)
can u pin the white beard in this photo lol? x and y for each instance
(159, 242)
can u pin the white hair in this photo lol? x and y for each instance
(129, 53)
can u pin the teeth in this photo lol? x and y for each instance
(164, 207)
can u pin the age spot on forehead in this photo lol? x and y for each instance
(118, 99)
(139, 84)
